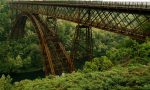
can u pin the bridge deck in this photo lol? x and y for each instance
(128, 18)
(138, 6)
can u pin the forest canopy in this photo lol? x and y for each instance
(119, 63)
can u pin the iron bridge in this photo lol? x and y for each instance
(127, 18)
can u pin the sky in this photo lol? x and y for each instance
(123, 0)
(98, 0)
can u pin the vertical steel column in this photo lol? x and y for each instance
(87, 30)
(89, 42)
(75, 43)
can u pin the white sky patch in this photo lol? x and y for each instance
(123, 0)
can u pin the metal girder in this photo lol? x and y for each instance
(124, 18)
(61, 60)
(57, 61)
(128, 19)
(82, 42)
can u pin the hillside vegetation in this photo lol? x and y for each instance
(119, 63)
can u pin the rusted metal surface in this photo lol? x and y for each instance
(57, 61)
(123, 18)
(130, 19)
(61, 60)
(82, 36)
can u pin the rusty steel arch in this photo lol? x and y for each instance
(57, 61)
(125, 18)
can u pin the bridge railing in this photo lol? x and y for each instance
(142, 5)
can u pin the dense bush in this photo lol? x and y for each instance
(133, 77)
(135, 53)
(124, 64)
(143, 53)
(98, 64)
(5, 83)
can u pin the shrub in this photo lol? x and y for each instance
(98, 64)
(117, 78)
(5, 83)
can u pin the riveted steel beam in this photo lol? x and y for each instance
(124, 18)
(57, 60)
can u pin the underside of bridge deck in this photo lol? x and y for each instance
(129, 19)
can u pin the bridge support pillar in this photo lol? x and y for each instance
(83, 43)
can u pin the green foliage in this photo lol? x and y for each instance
(146, 27)
(17, 63)
(19, 55)
(143, 53)
(131, 52)
(27, 62)
(5, 83)
(133, 77)
(104, 73)
(98, 64)
(4, 20)
(66, 33)
(120, 55)
(104, 41)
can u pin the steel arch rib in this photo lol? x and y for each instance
(39, 32)
(48, 52)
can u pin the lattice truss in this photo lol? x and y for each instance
(57, 61)
(129, 24)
